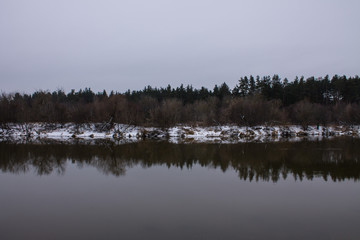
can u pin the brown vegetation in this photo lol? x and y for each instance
(264, 101)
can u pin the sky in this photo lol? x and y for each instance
(119, 44)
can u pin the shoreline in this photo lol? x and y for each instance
(123, 133)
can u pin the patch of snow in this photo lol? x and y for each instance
(177, 134)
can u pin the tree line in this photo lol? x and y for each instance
(253, 101)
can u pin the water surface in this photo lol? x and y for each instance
(159, 190)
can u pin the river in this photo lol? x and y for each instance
(161, 190)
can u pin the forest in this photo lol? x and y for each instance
(253, 101)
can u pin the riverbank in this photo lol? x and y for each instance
(180, 133)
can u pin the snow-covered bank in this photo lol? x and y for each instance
(181, 133)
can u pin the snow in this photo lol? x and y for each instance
(177, 134)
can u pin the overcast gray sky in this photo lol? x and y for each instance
(120, 45)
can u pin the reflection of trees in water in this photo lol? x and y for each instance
(333, 159)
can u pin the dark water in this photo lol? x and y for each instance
(149, 190)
